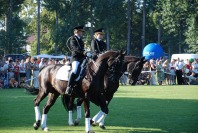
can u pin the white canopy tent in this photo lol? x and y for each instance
(49, 56)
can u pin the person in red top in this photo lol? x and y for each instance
(189, 67)
(17, 71)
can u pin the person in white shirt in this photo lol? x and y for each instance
(179, 65)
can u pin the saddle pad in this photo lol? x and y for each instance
(63, 73)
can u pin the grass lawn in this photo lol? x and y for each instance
(134, 109)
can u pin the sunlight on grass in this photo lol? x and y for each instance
(134, 109)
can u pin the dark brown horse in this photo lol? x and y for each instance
(134, 67)
(92, 82)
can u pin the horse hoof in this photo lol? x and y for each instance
(102, 127)
(46, 129)
(90, 131)
(94, 124)
(37, 124)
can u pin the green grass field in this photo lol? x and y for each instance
(134, 109)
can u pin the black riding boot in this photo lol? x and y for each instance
(70, 83)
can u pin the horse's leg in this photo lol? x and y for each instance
(87, 115)
(70, 108)
(79, 114)
(51, 100)
(41, 95)
(101, 115)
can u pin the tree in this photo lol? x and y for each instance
(13, 35)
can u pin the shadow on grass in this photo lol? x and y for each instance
(125, 115)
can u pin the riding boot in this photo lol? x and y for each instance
(70, 83)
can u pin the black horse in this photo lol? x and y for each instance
(92, 82)
(134, 67)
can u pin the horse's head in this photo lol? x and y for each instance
(115, 64)
(135, 69)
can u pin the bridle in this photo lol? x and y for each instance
(112, 69)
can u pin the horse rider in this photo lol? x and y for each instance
(77, 53)
(97, 44)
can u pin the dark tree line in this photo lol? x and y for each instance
(171, 23)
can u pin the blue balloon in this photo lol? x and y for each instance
(153, 51)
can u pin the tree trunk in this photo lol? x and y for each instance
(129, 28)
(38, 28)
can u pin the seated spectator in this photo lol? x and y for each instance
(13, 83)
(192, 79)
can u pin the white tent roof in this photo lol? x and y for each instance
(43, 56)
(50, 56)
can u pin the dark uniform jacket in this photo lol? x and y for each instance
(77, 48)
(97, 47)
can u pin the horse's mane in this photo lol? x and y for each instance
(107, 55)
(131, 58)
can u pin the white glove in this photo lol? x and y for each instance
(89, 54)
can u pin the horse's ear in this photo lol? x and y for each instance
(142, 59)
(120, 51)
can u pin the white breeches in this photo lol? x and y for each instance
(75, 65)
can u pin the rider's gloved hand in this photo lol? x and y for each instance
(89, 54)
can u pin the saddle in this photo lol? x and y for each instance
(64, 72)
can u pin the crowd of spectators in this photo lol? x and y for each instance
(15, 72)
(177, 71)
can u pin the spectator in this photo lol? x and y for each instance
(17, 70)
(146, 75)
(166, 72)
(43, 63)
(172, 72)
(192, 79)
(152, 69)
(195, 67)
(160, 72)
(63, 61)
(13, 83)
(189, 67)
(10, 69)
(57, 61)
(179, 64)
(22, 71)
(35, 69)
(28, 70)
(38, 60)
(67, 61)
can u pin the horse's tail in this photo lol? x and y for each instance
(68, 103)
